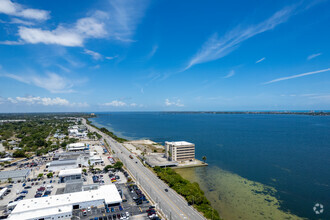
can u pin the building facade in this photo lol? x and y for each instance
(180, 151)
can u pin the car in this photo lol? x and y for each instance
(152, 207)
(10, 186)
(44, 196)
(122, 216)
(166, 190)
(24, 192)
(120, 208)
(127, 214)
(27, 187)
(47, 193)
(114, 216)
(84, 212)
(112, 209)
(44, 182)
(118, 216)
(38, 195)
(89, 209)
(24, 184)
(32, 184)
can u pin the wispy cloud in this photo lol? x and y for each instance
(230, 74)
(51, 82)
(152, 52)
(297, 76)
(111, 58)
(125, 16)
(173, 103)
(95, 55)
(115, 103)
(262, 59)
(45, 101)
(312, 56)
(14, 9)
(118, 103)
(218, 47)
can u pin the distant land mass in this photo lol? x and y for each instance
(313, 113)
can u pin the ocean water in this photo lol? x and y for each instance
(260, 166)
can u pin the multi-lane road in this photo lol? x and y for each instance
(169, 202)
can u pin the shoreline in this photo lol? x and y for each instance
(200, 209)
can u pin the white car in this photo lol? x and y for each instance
(89, 209)
(127, 215)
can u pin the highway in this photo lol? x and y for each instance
(170, 203)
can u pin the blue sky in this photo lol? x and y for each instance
(126, 55)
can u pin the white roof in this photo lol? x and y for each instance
(43, 206)
(77, 145)
(67, 209)
(179, 143)
(70, 172)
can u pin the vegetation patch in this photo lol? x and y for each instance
(190, 191)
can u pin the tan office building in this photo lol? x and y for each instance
(180, 151)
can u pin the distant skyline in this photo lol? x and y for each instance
(126, 55)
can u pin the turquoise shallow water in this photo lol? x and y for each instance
(290, 153)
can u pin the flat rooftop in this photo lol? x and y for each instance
(14, 173)
(70, 172)
(178, 143)
(33, 208)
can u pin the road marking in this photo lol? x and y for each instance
(140, 209)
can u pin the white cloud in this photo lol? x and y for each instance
(118, 23)
(312, 56)
(230, 74)
(91, 27)
(115, 103)
(216, 48)
(45, 101)
(111, 58)
(51, 82)
(59, 36)
(14, 9)
(133, 104)
(174, 103)
(262, 59)
(95, 55)
(296, 76)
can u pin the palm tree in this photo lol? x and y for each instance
(204, 158)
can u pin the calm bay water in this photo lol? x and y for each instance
(288, 155)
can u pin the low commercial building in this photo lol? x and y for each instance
(14, 174)
(58, 165)
(72, 174)
(180, 151)
(61, 206)
(77, 147)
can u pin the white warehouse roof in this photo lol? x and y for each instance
(70, 172)
(43, 206)
(76, 145)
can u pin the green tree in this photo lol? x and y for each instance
(49, 175)
(204, 158)
(118, 165)
(19, 153)
(40, 175)
(9, 180)
(107, 168)
(84, 170)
